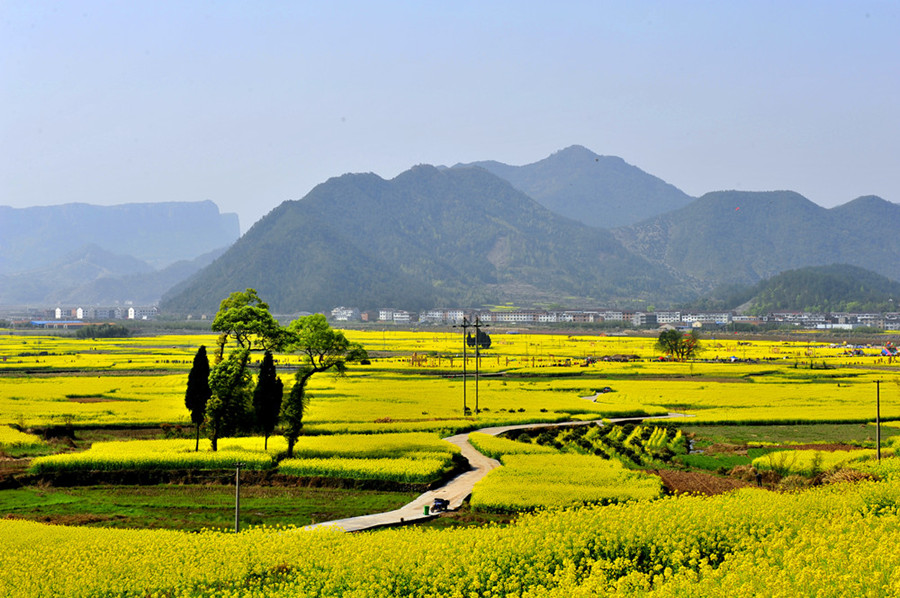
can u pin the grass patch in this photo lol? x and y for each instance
(719, 461)
(18, 452)
(192, 508)
(859, 434)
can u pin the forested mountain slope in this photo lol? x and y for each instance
(425, 238)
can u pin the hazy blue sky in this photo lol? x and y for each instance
(253, 103)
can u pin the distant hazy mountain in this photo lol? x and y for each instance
(92, 276)
(428, 237)
(156, 233)
(602, 191)
(744, 237)
(87, 263)
(87, 254)
(141, 289)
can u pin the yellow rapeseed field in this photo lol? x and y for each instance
(841, 540)
(531, 481)
(828, 541)
(495, 447)
(414, 381)
(12, 438)
(161, 454)
(417, 457)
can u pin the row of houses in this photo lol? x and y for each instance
(452, 316)
(527, 316)
(130, 312)
(837, 321)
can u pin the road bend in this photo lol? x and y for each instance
(458, 489)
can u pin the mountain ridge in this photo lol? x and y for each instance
(601, 191)
(465, 236)
(746, 236)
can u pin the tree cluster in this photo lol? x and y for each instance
(103, 331)
(481, 338)
(230, 402)
(824, 289)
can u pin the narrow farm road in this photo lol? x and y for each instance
(455, 491)
(459, 488)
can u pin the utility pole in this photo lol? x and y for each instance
(465, 326)
(237, 497)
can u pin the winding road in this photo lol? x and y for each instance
(459, 488)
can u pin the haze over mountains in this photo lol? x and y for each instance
(575, 230)
(80, 253)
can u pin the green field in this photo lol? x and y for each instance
(192, 508)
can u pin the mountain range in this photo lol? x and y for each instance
(744, 237)
(575, 229)
(475, 234)
(428, 237)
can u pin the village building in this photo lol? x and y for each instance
(345, 314)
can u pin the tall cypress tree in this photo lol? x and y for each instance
(198, 392)
(267, 397)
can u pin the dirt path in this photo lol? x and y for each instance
(459, 488)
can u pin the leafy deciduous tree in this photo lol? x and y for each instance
(481, 338)
(229, 409)
(323, 349)
(679, 345)
(245, 318)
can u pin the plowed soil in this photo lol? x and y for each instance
(691, 482)
(819, 447)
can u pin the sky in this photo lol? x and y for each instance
(249, 104)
